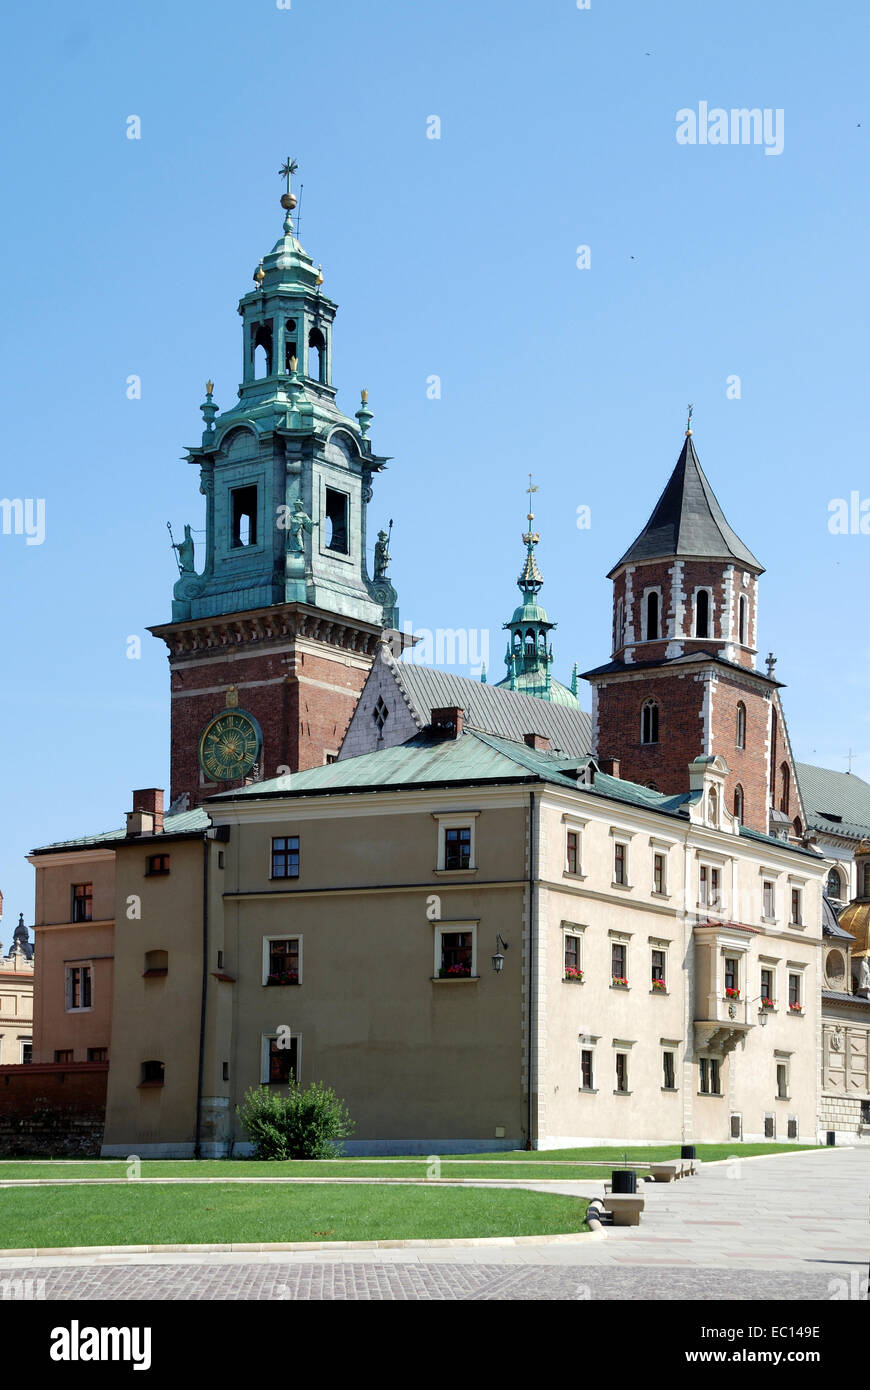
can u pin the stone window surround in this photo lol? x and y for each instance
(622, 1048)
(573, 929)
(710, 1057)
(707, 860)
(671, 1045)
(456, 820)
(657, 943)
(86, 963)
(622, 837)
(660, 636)
(621, 938)
(587, 1042)
(795, 881)
(444, 926)
(265, 1039)
(799, 968)
(578, 824)
(783, 1059)
(662, 847)
(281, 936)
(769, 876)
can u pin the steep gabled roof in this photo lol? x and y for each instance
(493, 709)
(688, 522)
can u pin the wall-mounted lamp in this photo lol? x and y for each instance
(498, 959)
(762, 1012)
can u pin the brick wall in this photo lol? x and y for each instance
(747, 766)
(680, 700)
(52, 1109)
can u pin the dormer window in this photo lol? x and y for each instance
(649, 722)
(702, 613)
(713, 806)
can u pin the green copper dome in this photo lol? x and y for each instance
(529, 656)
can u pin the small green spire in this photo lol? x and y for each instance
(483, 675)
(574, 681)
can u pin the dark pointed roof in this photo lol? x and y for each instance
(688, 522)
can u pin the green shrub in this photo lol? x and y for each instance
(306, 1123)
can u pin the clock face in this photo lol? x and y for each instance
(229, 746)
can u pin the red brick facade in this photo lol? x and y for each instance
(297, 672)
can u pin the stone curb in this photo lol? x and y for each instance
(241, 1248)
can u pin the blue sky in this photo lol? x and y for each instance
(453, 257)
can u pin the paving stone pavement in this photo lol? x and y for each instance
(790, 1227)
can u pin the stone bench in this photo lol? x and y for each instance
(624, 1207)
(667, 1172)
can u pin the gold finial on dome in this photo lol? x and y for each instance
(364, 396)
(319, 280)
(288, 168)
(209, 388)
(689, 421)
(259, 275)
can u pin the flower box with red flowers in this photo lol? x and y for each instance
(660, 986)
(732, 993)
(768, 1003)
(455, 972)
(619, 981)
(284, 977)
(573, 973)
(795, 1008)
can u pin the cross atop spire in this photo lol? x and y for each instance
(689, 421)
(529, 537)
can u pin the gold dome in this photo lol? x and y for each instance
(856, 919)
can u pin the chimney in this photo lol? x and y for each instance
(448, 722)
(146, 818)
(539, 742)
(609, 766)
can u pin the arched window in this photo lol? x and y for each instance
(797, 827)
(773, 740)
(530, 644)
(786, 788)
(262, 349)
(743, 621)
(835, 885)
(316, 354)
(740, 734)
(619, 626)
(652, 616)
(738, 803)
(702, 613)
(713, 806)
(649, 722)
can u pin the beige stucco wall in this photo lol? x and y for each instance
(16, 1007)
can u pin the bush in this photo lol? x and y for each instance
(306, 1123)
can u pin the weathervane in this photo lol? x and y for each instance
(689, 421)
(287, 170)
(531, 537)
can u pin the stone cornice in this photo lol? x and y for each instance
(228, 631)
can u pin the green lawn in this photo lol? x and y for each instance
(224, 1214)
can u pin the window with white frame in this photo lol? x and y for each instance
(768, 987)
(282, 960)
(660, 872)
(669, 1070)
(797, 906)
(732, 977)
(702, 613)
(572, 953)
(587, 1062)
(456, 843)
(619, 963)
(621, 1077)
(652, 610)
(795, 991)
(768, 899)
(709, 1076)
(573, 850)
(620, 863)
(79, 988)
(280, 1058)
(743, 621)
(710, 886)
(455, 951)
(658, 969)
(782, 1078)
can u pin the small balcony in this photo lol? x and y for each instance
(721, 1022)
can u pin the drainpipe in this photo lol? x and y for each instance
(531, 991)
(201, 1064)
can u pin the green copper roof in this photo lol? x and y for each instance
(184, 823)
(529, 655)
(836, 803)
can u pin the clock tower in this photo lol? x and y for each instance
(275, 624)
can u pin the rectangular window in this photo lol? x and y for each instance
(572, 852)
(153, 1073)
(709, 880)
(26, 1050)
(98, 1054)
(572, 956)
(781, 1081)
(336, 521)
(457, 847)
(157, 864)
(794, 992)
(703, 1076)
(285, 856)
(619, 864)
(767, 996)
(622, 1072)
(64, 1054)
(732, 978)
(769, 899)
(715, 1084)
(668, 1071)
(587, 1080)
(82, 902)
(658, 873)
(796, 895)
(244, 516)
(78, 987)
(792, 1129)
(618, 963)
(456, 954)
(284, 962)
(657, 968)
(770, 1127)
(282, 1061)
